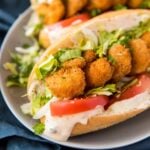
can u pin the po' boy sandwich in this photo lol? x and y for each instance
(94, 77)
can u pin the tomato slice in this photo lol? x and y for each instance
(142, 85)
(70, 21)
(60, 108)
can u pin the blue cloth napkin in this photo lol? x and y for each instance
(13, 135)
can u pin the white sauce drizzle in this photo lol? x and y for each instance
(60, 128)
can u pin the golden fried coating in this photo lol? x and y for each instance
(122, 61)
(98, 72)
(43, 39)
(134, 3)
(146, 37)
(99, 4)
(140, 56)
(77, 62)
(89, 56)
(67, 83)
(52, 12)
(116, 2)
(73, 6)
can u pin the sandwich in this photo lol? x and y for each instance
(94, 77)
(57, 17)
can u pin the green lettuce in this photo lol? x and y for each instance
(39, 128)
(106, 40)
(50, 65)
(108, 90)
(54, 61)
(40, 100)
(145, 4)
(120, 7)
(135, 32)
(68, 54)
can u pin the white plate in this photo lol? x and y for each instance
(126, 133)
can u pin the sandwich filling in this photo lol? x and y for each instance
(103, 67)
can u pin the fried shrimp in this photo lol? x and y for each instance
(140, 56)
(146, 37)
(52, 12)
(98, 72)
(99, 4)
(89, 56)
(73, 6)
(77, 62)
(134, 3)
(122, 61)
(67, 83)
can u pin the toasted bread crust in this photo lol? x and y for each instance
(101, 122)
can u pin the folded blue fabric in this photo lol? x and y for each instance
(13, 135)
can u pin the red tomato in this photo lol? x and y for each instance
(77, 105)
(142, 85)
(70, 21)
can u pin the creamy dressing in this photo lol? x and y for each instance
(60, 128)
(141, 101)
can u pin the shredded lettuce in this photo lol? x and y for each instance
(11, 67)
(21, 65)
(131, 83)
(50, 65)
(54, 62)
(135, 32)
(120, 7)
(145, 4)
(88, 45)
(95, 12)
(40, 100)
(69, 54)
(106, 40)
(26, 49)
(108, 90)
(39, 128)
(34, 26)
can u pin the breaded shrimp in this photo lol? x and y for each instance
(52, 12)
(99, 4)
(146, 37)
(122, 61)
(77, 62)
(67, 83)
(98, 72)
(134, 3)
(140, 56)
(73, 6)
(89, 56)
